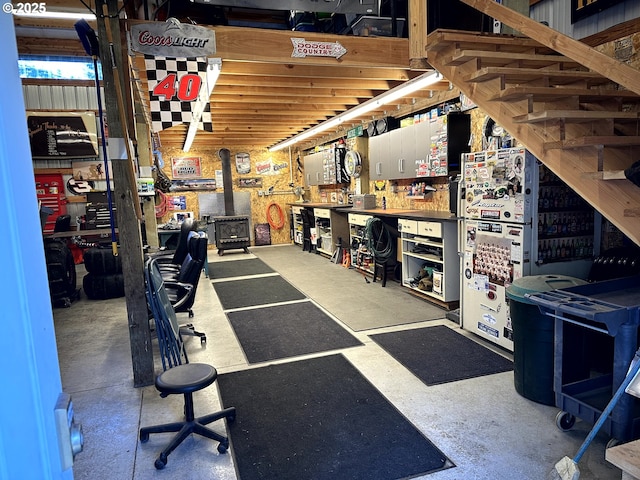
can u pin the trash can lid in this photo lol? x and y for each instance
(539, 283)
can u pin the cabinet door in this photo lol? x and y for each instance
(407, 165)
(379, 157)
(402, 150)
(313, 169)
(423, 140)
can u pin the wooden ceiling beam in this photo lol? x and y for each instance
(275, 46)
(63, 46)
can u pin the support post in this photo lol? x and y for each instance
(128, 222)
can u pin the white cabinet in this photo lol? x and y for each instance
(430, 262)
(331, 229)
(379, 157)
(296, 220)
(313, 169)
(402, 153)
(361, 258)
(425, 149)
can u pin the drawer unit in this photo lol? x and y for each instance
(430, 263)
(358, 219)
(407, 226)
(322, 213)
(430, 229)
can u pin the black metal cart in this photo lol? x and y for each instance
(610, 312)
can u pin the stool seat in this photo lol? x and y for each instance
(186, 378)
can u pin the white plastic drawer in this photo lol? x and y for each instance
(358, 219)
(407, 226)
(430, 229)
(322, 212)
(296, 210)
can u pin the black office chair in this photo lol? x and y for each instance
(181, 285)
(176, 257)
(179, 376)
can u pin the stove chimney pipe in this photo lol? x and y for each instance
(227, 181)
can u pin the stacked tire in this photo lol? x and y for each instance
(61, 272)
(104, 278)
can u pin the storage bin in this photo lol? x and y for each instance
(364, 202)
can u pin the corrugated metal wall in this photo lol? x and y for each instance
(63, 98)
(558, 14)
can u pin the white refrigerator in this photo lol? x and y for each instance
(517, 219)
(495, 237)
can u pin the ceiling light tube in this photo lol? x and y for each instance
(49, 14)
(213, 72)
(411, 86)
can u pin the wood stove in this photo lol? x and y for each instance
(231, 230)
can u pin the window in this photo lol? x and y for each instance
(59, 68)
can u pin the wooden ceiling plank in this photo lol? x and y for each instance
(312, 71)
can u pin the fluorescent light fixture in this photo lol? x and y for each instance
(213, 72)
(411, 86)
(59, 15)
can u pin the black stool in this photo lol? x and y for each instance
(186, 379)
(380, 268)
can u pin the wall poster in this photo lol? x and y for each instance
(186, 167)
(62, 134)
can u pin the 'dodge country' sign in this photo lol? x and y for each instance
(309, 48)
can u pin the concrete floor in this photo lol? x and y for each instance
(485, 428)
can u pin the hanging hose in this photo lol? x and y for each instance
(379, 240)
(280, 223)
(163, 207)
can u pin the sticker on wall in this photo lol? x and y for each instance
(194, 184)
(243, 163)
(268, 167)
(380, 185)
(90, 170)
(247, 182)
(178, 202)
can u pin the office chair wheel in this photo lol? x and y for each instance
(190, 313)
(231, 417)
(144, 437)
(203, 339)
(161, 462)
(223, 447)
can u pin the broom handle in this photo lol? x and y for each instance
(114, 242)
(633, 372)
(121, 111)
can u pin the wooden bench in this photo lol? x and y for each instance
(627, 458)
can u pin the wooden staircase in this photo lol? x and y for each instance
(578, 122)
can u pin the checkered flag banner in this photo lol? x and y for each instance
(177, 91)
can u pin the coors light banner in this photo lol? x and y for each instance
(173, 39)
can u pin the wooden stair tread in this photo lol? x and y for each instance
(603, 140)
(443, 38)
(523, 75)
(573, 115)
(550, 93)
(626, 457)
(525, 60)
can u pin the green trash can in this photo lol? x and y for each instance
(533, 337)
